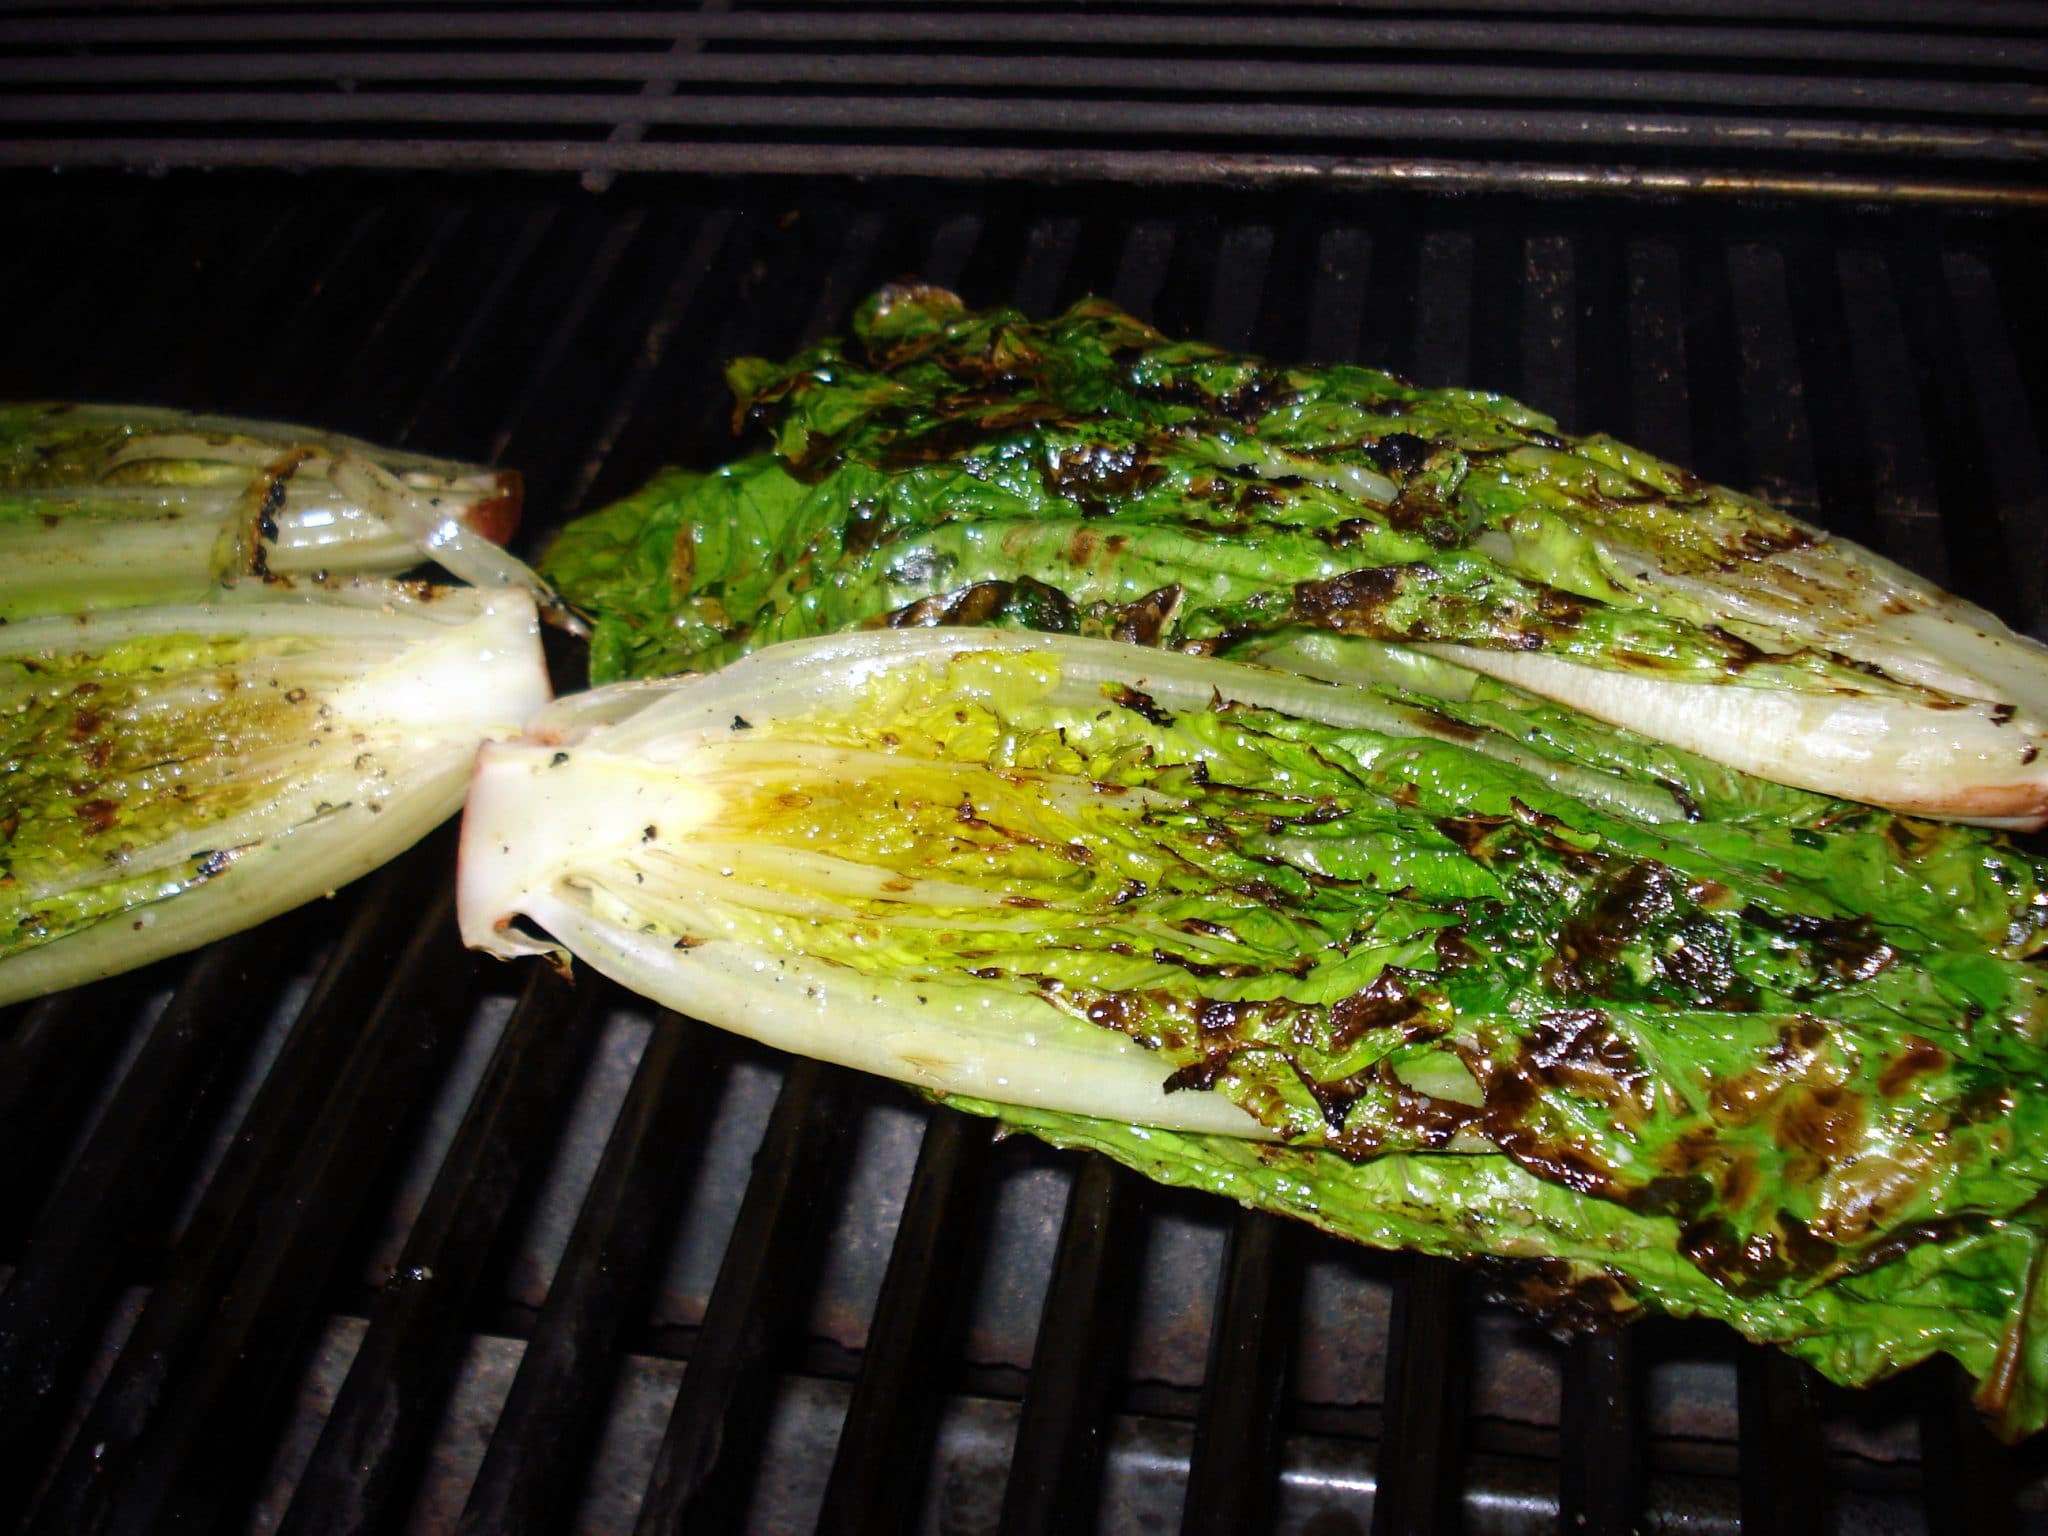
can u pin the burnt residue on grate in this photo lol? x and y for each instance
(332, 1228)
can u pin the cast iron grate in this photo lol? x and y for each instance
(1822, 98)
(333, 1228)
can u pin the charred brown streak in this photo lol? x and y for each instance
(1452, 950)
(862, 533)
(1742, 1266)
(1625, 906)
(99, 815)
(1141, 704)
(1229, 970)
(969, 605)
(1688, 807)
(908, 447)
(276, 483)
(1846, 946)
(1349, 532)
(1624, 903)
(1354, 603)
(1387, 1002)
(1201, 1076)
(1143, 620)
(1416, 510)
(1577, 1050)
(1321, 814)
(1400, 454)
(1073, 853)
(1098, 474)
(1445, 726)
(1920, 1057)
(1897, 1244)
(1571, 1051)
(1558, 1295)
(1244, 404)
(1737, 654)
(1785, 1246)
(1031, 604)
(1756, 544)
(1488, 838)
(1492, 839)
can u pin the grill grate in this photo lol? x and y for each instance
(331, 1228)
(1869, 99)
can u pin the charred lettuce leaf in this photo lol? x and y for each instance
(1089, 475)
(1462, 975)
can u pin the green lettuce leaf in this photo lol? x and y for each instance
(1432, 972)
(1088, 475)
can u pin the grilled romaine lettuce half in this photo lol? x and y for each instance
(170, 774)
(105, 506)
(1087, 475)
(1474, 976)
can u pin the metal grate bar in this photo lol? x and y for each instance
(1601, 1435)
(234, 1207)
(572, 298)
(1234, 1474)
(2007, 48)
(1887, 403)
(886, 1439)
(1418, 1475)
(1405, 172)
(1776, 427)
(1660, 414)
(1060, 117)
(2008, 432)
(1961, 14)
(710, 1452)
(49, 1081)
(478, 311)
(540, 1447)
(1969, 1476)
(1594, 328)
(287, 279)
(1875, 94)
(1056, 1467)
(1784, 1477)
(113, 1195)
(212, 1429)
(691, 271)
(374, 343)
(1841, 448)
(367, 1458)
(1808, 104)
(1980, 566)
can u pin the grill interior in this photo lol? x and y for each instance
(1826, 98)
(335, 1228)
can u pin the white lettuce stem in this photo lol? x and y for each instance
(1963, 762)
